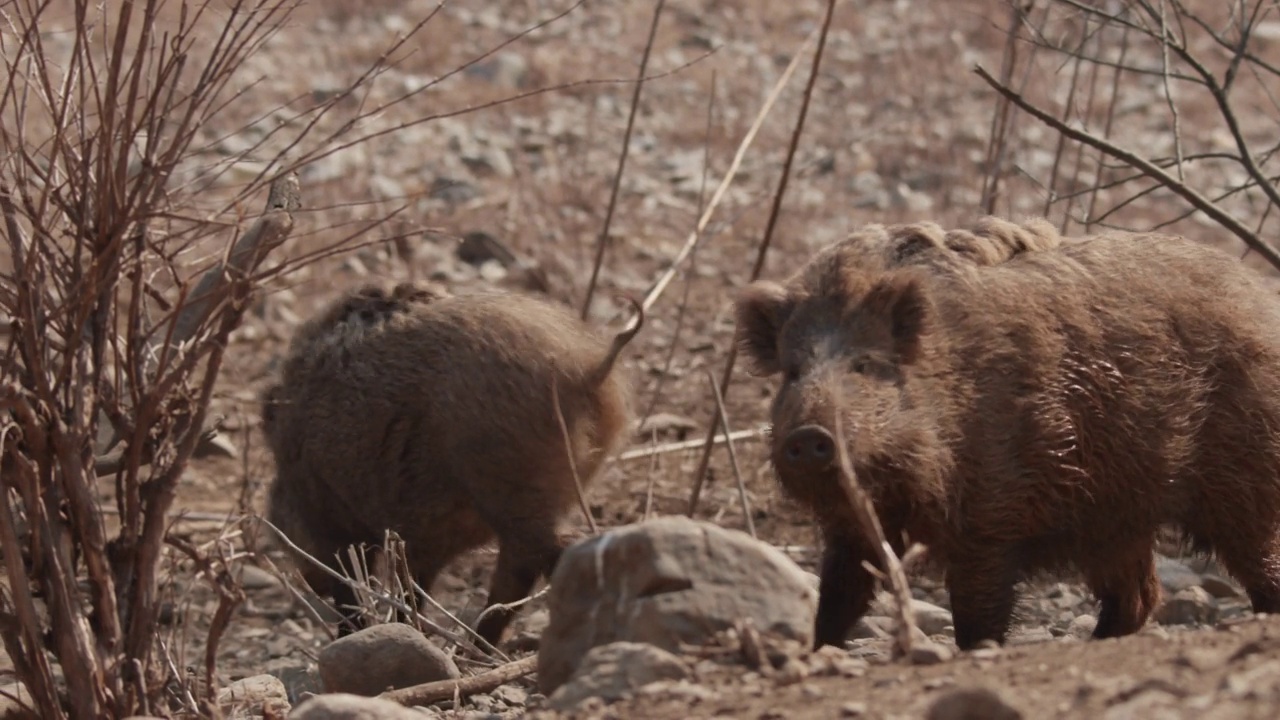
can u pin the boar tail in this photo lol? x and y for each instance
(601, 372)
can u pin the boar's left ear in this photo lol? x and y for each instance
(901, 300)
(760, 309)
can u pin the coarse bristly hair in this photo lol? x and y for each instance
(1019, 402)
(431, 414)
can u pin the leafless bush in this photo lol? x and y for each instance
(120, 291)
(1162, 111)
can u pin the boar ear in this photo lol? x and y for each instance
(760, 309)
(901, 300)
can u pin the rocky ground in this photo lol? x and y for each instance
(897, 130)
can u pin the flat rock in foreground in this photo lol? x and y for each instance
(665, 582)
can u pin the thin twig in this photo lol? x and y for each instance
(665, 278)
(865, 512)
(774, 212)
(723, 417)
(573, 464)
(603, 241)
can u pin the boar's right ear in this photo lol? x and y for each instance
(761, 309)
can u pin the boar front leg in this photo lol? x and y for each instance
(981, 585)
(845, 588)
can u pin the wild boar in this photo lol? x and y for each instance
(432, 415)
(1047, 412)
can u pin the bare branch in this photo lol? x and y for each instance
(1148, 168)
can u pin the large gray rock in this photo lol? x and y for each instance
(344, 706)
(665, 582)
(383, 657)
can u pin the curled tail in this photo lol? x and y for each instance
(601, 372)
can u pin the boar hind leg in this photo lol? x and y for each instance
(844, 592)
(1255, 562)
(981, 585)
(522, 559)
(1127, 589)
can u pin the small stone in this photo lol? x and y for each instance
(931, 619)
(929, 653)
(973, 703)
(257, 694)
(873, 627)
(1189, 606)
(512, 695)
(666, 423)
(382, 657)
(1030, 635)
(453, 191)
(683, 689)
(1082, 626)
(479, 247)
(853, 709)
(219, 445)
(1219, 587)
(253, 577)
(615, 670)
(1175, 576)
(344, 706)
(506, 68)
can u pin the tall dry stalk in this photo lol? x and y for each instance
(120, 289)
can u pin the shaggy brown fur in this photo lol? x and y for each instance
(1045, 413)
(431, 415)
(991, 241)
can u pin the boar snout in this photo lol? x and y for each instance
(807, 449)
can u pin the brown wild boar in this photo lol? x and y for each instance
(432, 415)
(1045, 413)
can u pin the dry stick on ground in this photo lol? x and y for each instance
(681, 445)
(772, 223)
(1148, 168)
(433, 692)
(603, 242)
(653, 476)
(573, 465)
(869, 521)
(723, 417)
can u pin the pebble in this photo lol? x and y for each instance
(1189, 606)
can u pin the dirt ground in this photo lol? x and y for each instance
(898, 130)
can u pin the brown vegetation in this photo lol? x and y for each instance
(1045, 413)
(432, 415)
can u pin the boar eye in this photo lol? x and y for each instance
(861, 365)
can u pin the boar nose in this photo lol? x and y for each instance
(809, 448)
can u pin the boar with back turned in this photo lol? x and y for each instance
(1045, 412)
(431, 415)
